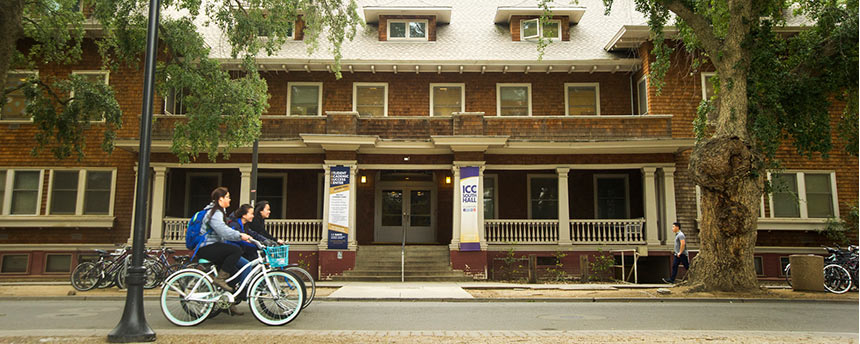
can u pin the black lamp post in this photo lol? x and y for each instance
(133, 327)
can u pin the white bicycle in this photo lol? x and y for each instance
(275, 296)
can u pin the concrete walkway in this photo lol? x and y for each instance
(396, 290)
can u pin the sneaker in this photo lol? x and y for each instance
(234, 311)
(668, 281)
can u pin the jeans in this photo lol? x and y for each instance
(682, 259)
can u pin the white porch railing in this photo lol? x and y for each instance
(622, 231)
(521, 231)
(292, 231)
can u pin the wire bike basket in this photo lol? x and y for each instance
(278, 256)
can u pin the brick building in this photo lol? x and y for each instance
(575, 152)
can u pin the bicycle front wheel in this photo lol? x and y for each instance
(182, 298)
(788, 274)
(310, 285)
(85, 276)
(837, 280)
(276, 299)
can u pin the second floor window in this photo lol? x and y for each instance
(415, 29)
(370, 99)
(93, 76)
(446, 99)
(16, 103)
(582, 99)
(708, 85)
(514, 99)
(803, 195)
(304, 98)
(642, 91)
(174, 103)
(21, 192)
(531, 29)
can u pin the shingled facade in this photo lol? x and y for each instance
(576, 153)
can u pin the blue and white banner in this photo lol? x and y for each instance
(338, 208)
(469, 238)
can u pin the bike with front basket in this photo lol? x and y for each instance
(275, 296)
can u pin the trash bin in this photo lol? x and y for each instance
(807, 272)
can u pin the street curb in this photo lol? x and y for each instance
(477, 300)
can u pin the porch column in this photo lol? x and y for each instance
(563, 207)
(482, 230)
(352, 243)
(455, 214)
(650, 200)
(669, 191)
(245, 186)
(326, 188)
(156, 232)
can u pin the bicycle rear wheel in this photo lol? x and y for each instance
(175, 303)
(837, 280)
(85, 276)
(788, 274)
(283, 305)
(310, 285)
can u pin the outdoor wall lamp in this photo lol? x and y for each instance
(447, 180)
(363, 179)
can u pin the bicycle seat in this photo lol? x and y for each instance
(180, 257)
(102, 253)
(170, 250)
(203, 261)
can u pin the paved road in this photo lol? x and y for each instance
(458, 316)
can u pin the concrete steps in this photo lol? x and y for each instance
(422, 263)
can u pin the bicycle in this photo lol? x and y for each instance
(275, 297)
(840, 270)
(306, 278)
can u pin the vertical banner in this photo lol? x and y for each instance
(338, 208)
(469, 238)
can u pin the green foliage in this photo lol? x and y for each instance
(839, 231)
(601, 267)
(557, 273)
(222, 112)
(513, 267)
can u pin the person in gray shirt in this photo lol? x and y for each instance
(680, 252)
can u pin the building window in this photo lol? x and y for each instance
(514, 99)
(582, 99)
(58, 263)
(95, 77)
(803, 195)
(783, 262)
(370, 99)
(198, 190)
(273, 189)
(611, 197)
(446, 99)
(489, 197)
(2, 190)
(759, 266)
(304, 98)
(14, 263)
(25, 192)
(543, 197)
(15, 108)
(413, 29)
(290, 33)
(81, 192)
(642, 91)
(174, 103)
(708, 80)
(531, 29)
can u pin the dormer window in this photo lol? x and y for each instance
(412, 29)
(531, 29)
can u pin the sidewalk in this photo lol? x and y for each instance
(460, 292)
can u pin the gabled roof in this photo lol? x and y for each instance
(407, 7)
(504, 13)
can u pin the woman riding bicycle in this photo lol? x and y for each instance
(240, 221)
(258, 225)
(215, 248)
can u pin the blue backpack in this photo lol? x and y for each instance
(193, 237)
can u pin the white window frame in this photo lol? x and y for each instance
(175, 92)
(567, 87)
(92, 72)
(188, 185)
(499, 96)
(19, 71)
(557, 22)
(800, 177)
(529, 178)
(356, 85)
(283, 177)
(408, 36)
(45, 264)
(705, 76)
(82, 189)
(320, 194)
(643, 110)
(626, 178)
(289, 38)
(495, 178)
(9, 191)
(462, 87)
(319, 86)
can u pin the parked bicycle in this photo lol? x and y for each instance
(100, 273)
(840, 269)
(275, 296)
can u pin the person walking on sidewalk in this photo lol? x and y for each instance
(680, 251)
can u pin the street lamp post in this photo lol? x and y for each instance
(133, 327)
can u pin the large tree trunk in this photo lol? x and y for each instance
(11, 12)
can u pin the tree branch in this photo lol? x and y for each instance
(51, 92)
(700, 25)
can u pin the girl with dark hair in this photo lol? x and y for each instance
(258, 225)
(240, 222)
(215, 248)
